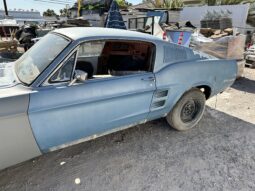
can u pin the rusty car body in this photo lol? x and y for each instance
(76, 84)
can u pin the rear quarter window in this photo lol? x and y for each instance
(175, 53)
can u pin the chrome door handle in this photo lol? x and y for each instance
(148, 79)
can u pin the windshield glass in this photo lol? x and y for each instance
(34, 61)
(7, 77)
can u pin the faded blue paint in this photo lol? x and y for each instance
(63, 114)
(181, 77)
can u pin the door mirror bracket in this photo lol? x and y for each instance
(80, 76)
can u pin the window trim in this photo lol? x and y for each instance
(48, 82)
(76, 49)
(154, 48)
(72, 73)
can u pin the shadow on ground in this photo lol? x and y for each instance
(245, 85)
(219, 154)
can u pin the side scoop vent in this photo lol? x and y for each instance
(159, 99)
(158, 104)
(161, 93)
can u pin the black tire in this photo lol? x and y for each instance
(188, 111)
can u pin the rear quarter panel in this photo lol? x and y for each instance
(180, 77)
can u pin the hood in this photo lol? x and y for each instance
(17, 90)
(9, 83)
(7, 75)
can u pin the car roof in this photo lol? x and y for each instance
(76, 33)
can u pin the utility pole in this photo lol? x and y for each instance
(79, 7)
(5, 8)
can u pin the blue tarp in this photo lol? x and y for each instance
(114, 18)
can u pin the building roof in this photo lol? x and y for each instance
(76, 33)
(23, 15)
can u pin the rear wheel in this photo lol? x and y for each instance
(188, 111)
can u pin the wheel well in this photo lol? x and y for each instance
(206, 90)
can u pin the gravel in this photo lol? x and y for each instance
(219, 154)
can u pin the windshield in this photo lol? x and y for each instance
(34, 61)
(7, 77)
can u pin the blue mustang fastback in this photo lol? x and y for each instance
(76, 84)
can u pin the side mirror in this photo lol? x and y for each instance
(80, 76)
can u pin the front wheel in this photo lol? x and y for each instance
(188, 111)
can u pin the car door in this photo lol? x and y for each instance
(61, 115)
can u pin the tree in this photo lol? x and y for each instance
(227, 2)
(173, 4)
(123, 3)
(49, 13)
(166, 4)
(65, 12)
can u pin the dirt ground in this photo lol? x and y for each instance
(219, 154)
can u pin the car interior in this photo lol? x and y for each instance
(102, 59)
(114, 58)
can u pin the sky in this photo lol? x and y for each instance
(42, 6)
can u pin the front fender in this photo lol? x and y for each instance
(17, 143)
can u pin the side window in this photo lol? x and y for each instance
(101, 59)
(64, 74)
(91, 49)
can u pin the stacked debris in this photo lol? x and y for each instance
(8, 46)
(77, 22)
(178, 26)
(249, 56)
(217, 38)
(229, 47)
(217, 20)
(225, 47)
(253, 39)
(251, 15)
(179, 34)
(223, 44)
(216, 33)
(25, 35)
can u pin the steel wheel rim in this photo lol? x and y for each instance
(190, 111)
